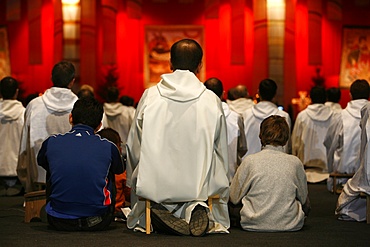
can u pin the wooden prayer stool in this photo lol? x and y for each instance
(34, 201)
(336, 175)
(363, 194)
(147, 210)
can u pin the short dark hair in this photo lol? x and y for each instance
(231, 93)
(333, 94)
(359, 89)
(318, 95)
(8, 87)
(62, 74)
(186, 54)
(215, 85)
(112, 94)
(111, 135)
(267, 89)
(87, 111)
(127, 100)
(274, 130)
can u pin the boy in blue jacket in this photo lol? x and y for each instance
(79, 164)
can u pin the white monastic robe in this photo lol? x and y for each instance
(350, 205)
(118, 117)
(343, 141)
(11, 124)
(45, 115)
(252, 120)
(335, 107)
(237, 145)
(177, 150)
(240, 105)
(309, 132)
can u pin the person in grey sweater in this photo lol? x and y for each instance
(270, 187)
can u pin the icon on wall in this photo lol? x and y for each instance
(158, 42)
(4, 54)
(355, 62)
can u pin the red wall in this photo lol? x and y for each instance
(218, 47)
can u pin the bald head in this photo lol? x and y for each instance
(241, 91)
(186, 54)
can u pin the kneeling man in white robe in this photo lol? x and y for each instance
(177, 151)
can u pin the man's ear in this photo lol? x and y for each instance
(70, 119)
(199, 67)
(70, 85)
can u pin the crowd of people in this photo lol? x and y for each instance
(182, 145)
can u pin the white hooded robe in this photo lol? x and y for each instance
(350, 205)
(343, 141)
(177, 150)
(309, 132)
(252, 120)
(11, 124)
(45, 115)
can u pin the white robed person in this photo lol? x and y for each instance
(177, 150)
(343, 138)
(351, 206)
(308, 136)
(45, 115)
(11, 124)
(254, 116)
(239, 100)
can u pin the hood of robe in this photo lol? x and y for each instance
(226, 109)
(11, 109)
(263, 109)
(181, 85)
(354, 107)
(113, 109)
(58, 99)
(319, 112)
(241, 103)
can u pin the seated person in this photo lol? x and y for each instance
(350, 205)
(80, 192)
(122, 191)
(270, 184)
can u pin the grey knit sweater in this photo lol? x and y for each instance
(272, 187)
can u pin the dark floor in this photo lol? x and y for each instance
(321, 229)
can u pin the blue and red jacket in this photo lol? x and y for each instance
(78, 164)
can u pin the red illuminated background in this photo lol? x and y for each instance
(235, 40)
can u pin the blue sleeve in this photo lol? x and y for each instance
(117, 166)
(41, 156)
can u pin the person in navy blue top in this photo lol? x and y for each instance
(80, 169)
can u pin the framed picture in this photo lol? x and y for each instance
(4, 53)
(158, 42)
(355, 62)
